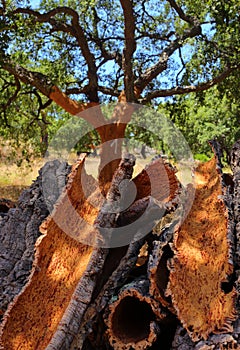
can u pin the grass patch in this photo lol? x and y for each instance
(15, 178)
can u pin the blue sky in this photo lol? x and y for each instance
(35, 3)
(186, 50)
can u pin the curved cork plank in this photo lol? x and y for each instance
(158, 179)
(202, 260)
(60, 263)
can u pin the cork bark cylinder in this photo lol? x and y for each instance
(131, 317)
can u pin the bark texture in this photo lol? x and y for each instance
(19, 230)
(158, 180)
(60, 264)
(5, 205)
(131, 317)
(203, 260)
(235, 164)
(174, 287)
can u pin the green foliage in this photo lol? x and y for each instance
(48, 48)
(206, 116)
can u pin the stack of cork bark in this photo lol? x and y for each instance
(74, 284)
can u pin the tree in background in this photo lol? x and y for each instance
(205, 116)
(74, 56)
(176, 287)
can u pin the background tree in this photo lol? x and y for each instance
(80, 55)
(204, 116)
(64, 58)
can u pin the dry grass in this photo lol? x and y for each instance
(14, 179)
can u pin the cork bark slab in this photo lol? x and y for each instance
(19, 230)
(60, 263)
(158, 179)
(202, 260)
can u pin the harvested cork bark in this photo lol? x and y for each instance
(203, 259)
(227, 341)
(235, 165)
(131, 317)
(19, 230)
(146, 211)
(48, 312)
(118, 266)
(60, 262)
(158, 179)
(72, 322)
(158, 273)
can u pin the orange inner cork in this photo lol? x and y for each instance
(158, 180)
(60, 262)
(201, 261)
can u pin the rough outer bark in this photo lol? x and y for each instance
(158, 273)
(65, 271)
(235, 165)
(19, 230)
(203, 260)
(227, 341)
(60, 262)
(71, 321)
(131, 317)
(162, 252)
(119, 264)
(126, 262)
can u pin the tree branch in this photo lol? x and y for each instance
(183, 66)
(181, 13)
(103, 89)
(47, 88)
(152, 72)
(100, 42)
(14, 96)
(192, 88)
(129, 49)
(76, 31)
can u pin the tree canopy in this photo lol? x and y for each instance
(80, 54)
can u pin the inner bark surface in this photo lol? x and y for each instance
(131, 320)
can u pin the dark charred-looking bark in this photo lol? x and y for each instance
(5, 205)
(182, 340)
(235, 165)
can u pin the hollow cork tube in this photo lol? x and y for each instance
(131, 317)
